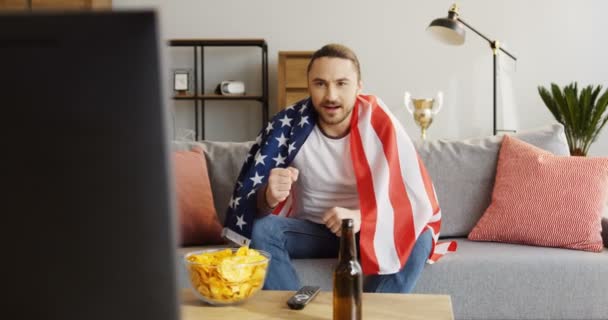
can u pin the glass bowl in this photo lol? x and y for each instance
(226, 276)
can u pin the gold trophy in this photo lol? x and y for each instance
(423, 110)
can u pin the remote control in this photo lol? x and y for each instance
(302, 297)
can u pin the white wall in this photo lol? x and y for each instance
(555, 41)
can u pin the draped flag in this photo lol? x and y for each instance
(396, 195)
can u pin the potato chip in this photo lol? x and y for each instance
(227, 275)
(242, 251)
(259, 273)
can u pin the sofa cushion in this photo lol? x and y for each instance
(197, 218)
(224, 162)
(545, 200)
(463, 173)
(492, 280)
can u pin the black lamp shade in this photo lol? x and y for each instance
(447, 30)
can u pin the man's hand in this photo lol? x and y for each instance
(279, 185)
(333, 219)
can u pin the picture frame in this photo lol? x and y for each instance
(182, 81)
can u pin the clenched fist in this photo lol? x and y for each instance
(333, 219)
(279, 185)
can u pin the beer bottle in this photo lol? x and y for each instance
(348, 277)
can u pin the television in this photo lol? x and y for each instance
(88, 208)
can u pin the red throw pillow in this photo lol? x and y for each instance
(198, 221)
(545, 200)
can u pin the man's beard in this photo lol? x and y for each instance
(332, 121)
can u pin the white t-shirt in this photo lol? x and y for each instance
(326, 178)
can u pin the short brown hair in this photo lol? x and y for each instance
(334, 50)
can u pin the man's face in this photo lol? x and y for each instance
(333, 85)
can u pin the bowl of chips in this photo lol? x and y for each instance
(226, 276)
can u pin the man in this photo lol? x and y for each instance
(330, 164)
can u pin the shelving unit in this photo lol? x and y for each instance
(199, 97)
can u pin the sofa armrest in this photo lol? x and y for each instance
(605, 231)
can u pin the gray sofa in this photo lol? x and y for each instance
(485, 280)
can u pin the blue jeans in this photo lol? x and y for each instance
(289, 238)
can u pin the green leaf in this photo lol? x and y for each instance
(585, 111)
(550, 103)
(583, 114)
(571, 96)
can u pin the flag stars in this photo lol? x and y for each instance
(259, 158)
(303, 121)
(282, 140)
(269, 127)
(292, 147)
(279, 160)
(303, 108)
(234, 202)
(257, 179)
(258, 139)
(286, 121)
(240, 222)
(252, 192)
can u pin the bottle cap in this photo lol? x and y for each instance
(347, 223)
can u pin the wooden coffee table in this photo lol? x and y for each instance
(272, 305)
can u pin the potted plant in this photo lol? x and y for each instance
(581, 114)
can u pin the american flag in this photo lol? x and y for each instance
(395, 191)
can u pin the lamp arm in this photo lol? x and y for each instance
(491, 42)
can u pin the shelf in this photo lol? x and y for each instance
(217, 42)
(216, 97)
(199, 98)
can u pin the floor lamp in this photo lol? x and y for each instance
(451, 30)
